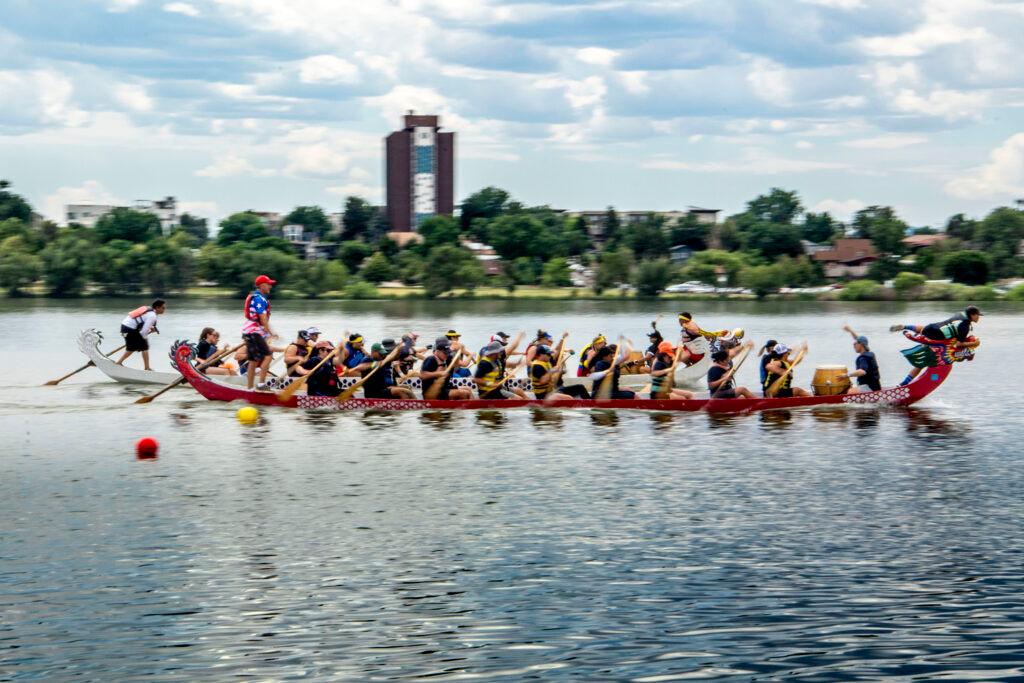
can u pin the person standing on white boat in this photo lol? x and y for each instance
(137, 327)
(256, 331)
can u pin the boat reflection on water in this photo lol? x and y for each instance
(378, 420)
(662, 421)
(320, 421)
(772, 420)
(545, 418)
(492, 419)
(604, 418)
(441, 420)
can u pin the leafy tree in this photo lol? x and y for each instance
(906, 283)
(195, 226)
(688, 231)
(353, 253)
(882, 226)
(778, 206)
(524, 270)
(64, 261)
(556, 273)
(773, 239)
(237, 266)
(521, 234)
(127, 224)
(731, 261)
(168, 266)
(241, 227)
(576, 237)
(611, 226)
(883, 269)
(798, 272)
(728, 235)
(19, 267)
(410, 266)
(961, 227)
(701, 271)
(819, 227)
(387, 246)
(312, 218)
(968, 267)
(762, 280)
(647, 238)
(13, 205)
(438, 230)
(270, 242)
(313, 278)
(1000, 234)
(862, 290)
(356, 218)
(652, 277)
(115, 267)
(450, 267)
(488, 203)
(377, 269)
(360, 289)
(614, 268)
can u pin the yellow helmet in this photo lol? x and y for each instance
(738, 333)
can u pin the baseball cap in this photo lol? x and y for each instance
(780, 348)
(665, 347)
(862, 340)
(324, 345)
(388, 344)
(770, 344)
(503, 335)
(973, 310)
(654, 334)
(377, 348)
(492, 348)
(265, 280)
(442, 343)
(544, 335)
(312, 331)
(544, 348)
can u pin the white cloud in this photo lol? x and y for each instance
(843, 209)
(892, 141)
(328, 69)
(316, 160)
(39, 97)
(597, 56)
(804, 144)
(1001, 177)
(770, 81)
(203, 209)
(89, 192)
(752, 163)
(231, 165)
(181, 8)
(134, 97)
(121, 5)
(370, 192)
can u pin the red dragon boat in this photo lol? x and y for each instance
(925, 383)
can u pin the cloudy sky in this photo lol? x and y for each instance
(643, 104)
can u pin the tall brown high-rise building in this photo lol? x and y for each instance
(420, 172)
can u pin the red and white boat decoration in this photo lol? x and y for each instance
(925, 383)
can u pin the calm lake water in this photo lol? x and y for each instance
(847, 544)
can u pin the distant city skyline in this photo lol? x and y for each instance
(229, 105)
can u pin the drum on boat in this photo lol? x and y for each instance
(830, 380)
(634, 365)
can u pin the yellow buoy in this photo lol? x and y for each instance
(247, 415)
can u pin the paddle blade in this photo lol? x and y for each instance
(145, 399)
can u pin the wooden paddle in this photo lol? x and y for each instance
(604, 391)
(777, 384)
(348, 393)
(205, 364)
(54, 382)
(431, 393)
(300, 382)
(732, 371)
(670, 376)
(513, 347)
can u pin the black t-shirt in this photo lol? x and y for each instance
(377, 383)
(205, 350)
(323, 381)
(431, 364)
(601, 366)
(716, 373)
(871, 377)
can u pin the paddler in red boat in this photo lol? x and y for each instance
(257, 330)
(690, 332)
(546, 380)
(543, 338)
(588, 355)
(380, 382)
(661, 366)
(324, 380)
(778, 364)
(137, 327)
(435, 366)
(603, 366)
(718, 385)
(300, 350)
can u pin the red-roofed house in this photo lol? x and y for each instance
(847, 258)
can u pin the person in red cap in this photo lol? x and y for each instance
(256, 331)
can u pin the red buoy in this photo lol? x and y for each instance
(146, 448)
